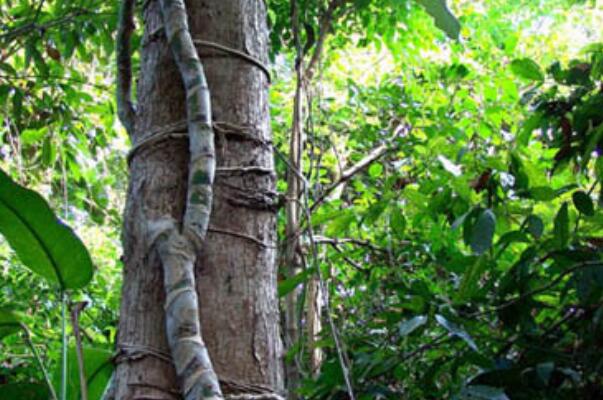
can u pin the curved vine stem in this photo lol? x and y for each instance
(177, 249)
(125, 106)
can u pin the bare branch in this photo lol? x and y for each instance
(370, 158)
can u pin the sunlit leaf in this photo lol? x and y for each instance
(528, 69)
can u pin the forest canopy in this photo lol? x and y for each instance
(445, 158)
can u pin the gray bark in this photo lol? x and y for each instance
(235, 269)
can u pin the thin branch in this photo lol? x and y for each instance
(353, 241)
(373, 156)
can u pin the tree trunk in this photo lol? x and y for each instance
(235, 270)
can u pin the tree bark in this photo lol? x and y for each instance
(236, 267)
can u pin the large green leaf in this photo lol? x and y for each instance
(43, 243)
(442, 16)
(9, 323)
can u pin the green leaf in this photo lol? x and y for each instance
(409, 326)
(375, 170)
(535, 226)
(526, 68)
(562, 226)
(483, 232)
(9, 323)
(24, 391)
(583, 203)
(443, 17)
(43, 243)
(456, 331)
(31, 136)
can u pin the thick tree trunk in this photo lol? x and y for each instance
(235, 271)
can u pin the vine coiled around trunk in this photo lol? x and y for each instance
(178, 250)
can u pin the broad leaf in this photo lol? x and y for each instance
(535, 226)
(528, 69)
(583, 203)
(483, 232)
(443, 17)
(43, 243)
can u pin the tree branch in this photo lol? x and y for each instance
(373, 156)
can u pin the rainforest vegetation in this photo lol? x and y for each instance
(437, 193)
